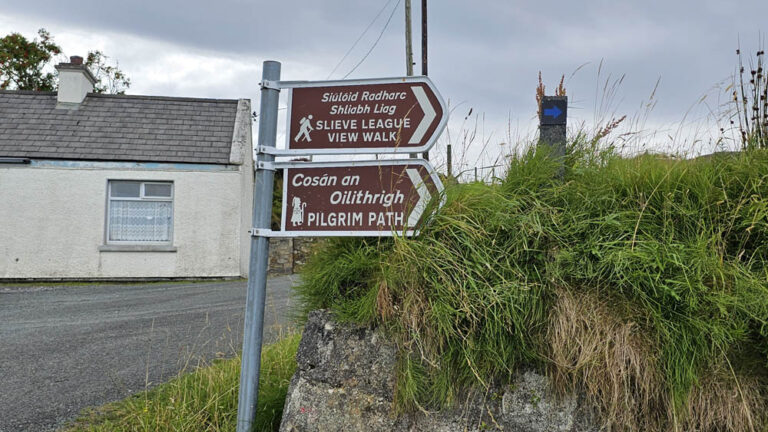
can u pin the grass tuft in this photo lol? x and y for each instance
(203, 400)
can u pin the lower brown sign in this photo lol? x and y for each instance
(370, 198)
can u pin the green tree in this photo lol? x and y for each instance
(27, 65)
(22, 62)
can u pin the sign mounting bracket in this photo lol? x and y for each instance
(265, 165)
(268, 150)
(270, 84)
(264, 232)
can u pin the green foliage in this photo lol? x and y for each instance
(676, 241)
(682, 244)
(343, 277)
(277, 200)
(22, 62)
(26, 65)
(204, 400)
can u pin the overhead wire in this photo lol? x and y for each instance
(377, 39)
(360, 37)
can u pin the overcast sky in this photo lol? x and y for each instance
(483, 55)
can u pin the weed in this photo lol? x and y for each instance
(750, 98)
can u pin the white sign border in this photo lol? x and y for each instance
(290, 85)
(380, 233)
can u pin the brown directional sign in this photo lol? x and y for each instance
(367, 116)
(363, 199)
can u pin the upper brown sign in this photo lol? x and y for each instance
(398, 115)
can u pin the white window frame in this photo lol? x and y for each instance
(142, 197)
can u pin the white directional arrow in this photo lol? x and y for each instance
(424, 197)
(429, 115)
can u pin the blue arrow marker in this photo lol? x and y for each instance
(553, 112)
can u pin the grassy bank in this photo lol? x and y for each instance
(203, 400)
(641, 282)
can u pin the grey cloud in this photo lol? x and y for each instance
(487, 53)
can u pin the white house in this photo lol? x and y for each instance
(114, 186)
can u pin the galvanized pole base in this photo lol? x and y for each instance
(257, 272)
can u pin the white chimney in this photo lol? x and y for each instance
(75, 82)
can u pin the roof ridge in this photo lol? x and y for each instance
(124, 96)
(29, 92)
(161, 98)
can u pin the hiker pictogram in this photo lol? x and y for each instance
(305, 127)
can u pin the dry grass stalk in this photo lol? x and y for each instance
(540, 92)
(727, 401)
(607, 129)
(593, 350)
(384, 301)
(560, 90)
(539, 95)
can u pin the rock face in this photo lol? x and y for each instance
(288, 255)
(345, 382)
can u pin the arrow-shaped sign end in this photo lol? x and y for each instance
(424, 197)
(429, 115)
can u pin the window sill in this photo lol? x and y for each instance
(137, 248)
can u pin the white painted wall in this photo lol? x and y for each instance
(74, 85)
(52, 222)
(242, 153)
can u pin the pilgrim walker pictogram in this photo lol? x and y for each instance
(297, 215)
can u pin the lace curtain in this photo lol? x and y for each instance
(140, 221)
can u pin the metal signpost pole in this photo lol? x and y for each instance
(257, 272)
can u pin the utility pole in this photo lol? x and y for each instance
(424, 37)
(408, 40)
(424, 55)
(409, 49)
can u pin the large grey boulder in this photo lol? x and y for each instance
(345, 382)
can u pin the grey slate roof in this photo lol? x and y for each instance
(117, 128)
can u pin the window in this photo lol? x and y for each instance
(140, 212)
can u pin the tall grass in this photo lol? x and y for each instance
(203, 400)
(652, 266)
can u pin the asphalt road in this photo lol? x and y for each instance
(67, 347)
